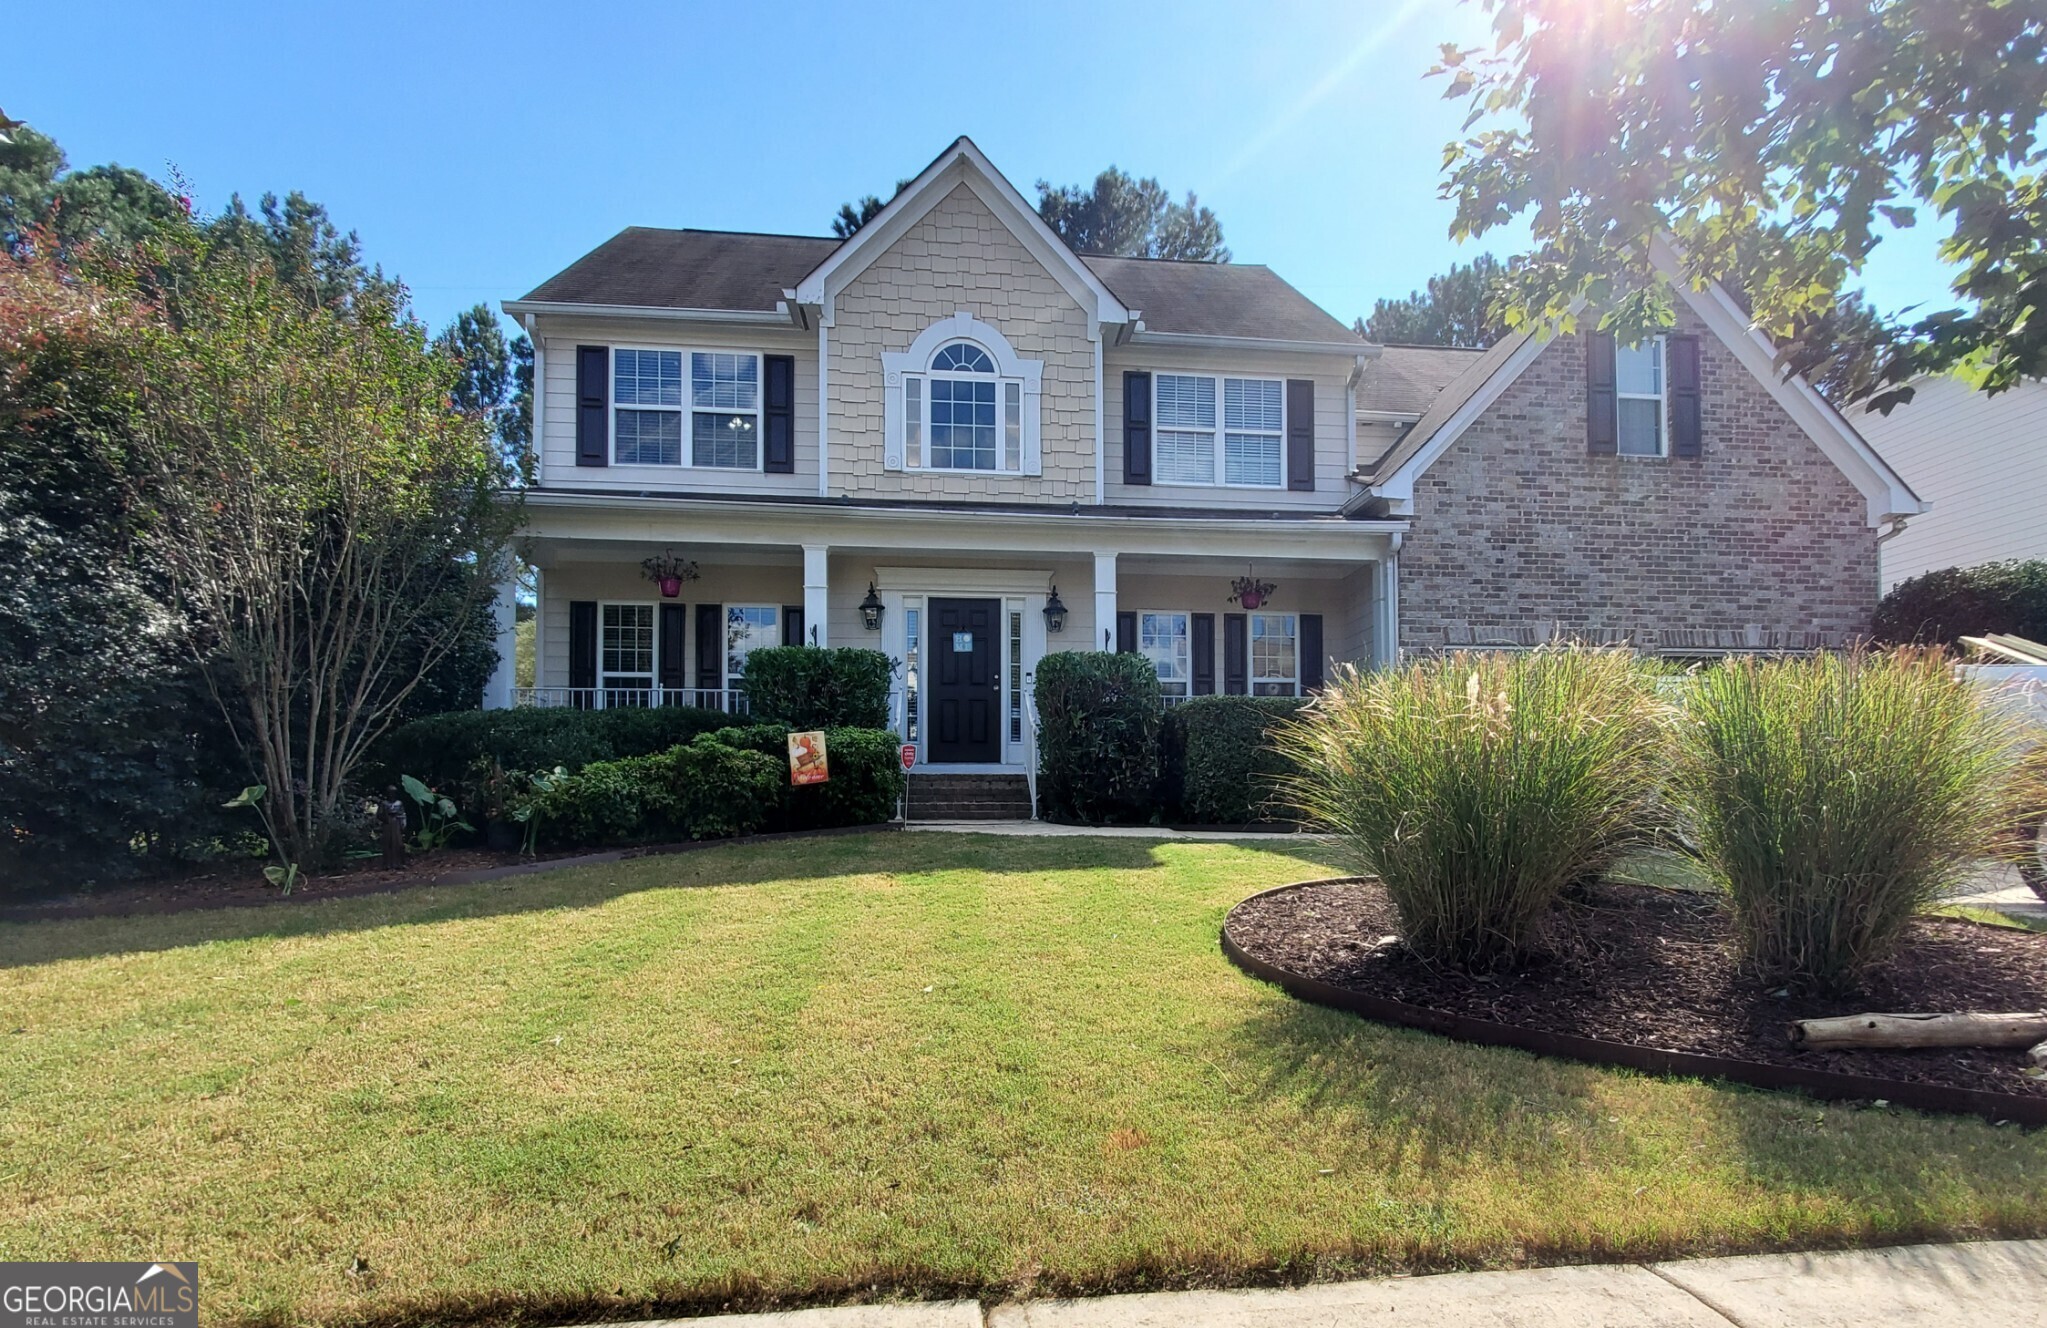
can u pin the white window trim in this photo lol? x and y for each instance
(915, 363)
(653, 674)
(732, 674)
(1220, 453)
(1187, 637)
(688, 408)
(1662, 400)
(1253, 678)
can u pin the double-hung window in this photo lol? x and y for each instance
(1275, 654)
(1162, 639)
(748, 627)
(1209, 429)
(960, 414)
(722, 403)
(1639, 387)
(626, 652)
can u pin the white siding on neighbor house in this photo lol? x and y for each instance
(560, 337)
(1981, 461)
(1333, 414)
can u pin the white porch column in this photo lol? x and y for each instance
(816, 557)
(497, 693)
(1105, 602)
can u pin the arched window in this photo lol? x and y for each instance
(960, 398)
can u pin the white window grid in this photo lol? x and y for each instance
(1218, 431)
(688, 407)
(1275, 654)
(922, 394)
(626, 648)
(1163, 637)
(748, 627)
(1651, 363)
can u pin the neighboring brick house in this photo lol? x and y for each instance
(954, 439)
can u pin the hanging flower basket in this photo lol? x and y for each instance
(1250, 592)
(669, 572)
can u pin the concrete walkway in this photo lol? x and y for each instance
(1994, 1284)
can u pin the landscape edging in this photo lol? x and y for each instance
(1989, 1104)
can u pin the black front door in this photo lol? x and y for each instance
(966, 681)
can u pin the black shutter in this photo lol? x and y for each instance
(1137, 428)
(1685, 423)
(1300, 434)
(583, 643)
(710, 646)
(1310, 646)
(593, 405)
(674, 657)
(1201, 643)
(1126, 633)
(778, 416)
(792, 625)
(1602, 406)
(1236, 654)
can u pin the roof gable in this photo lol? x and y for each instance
(1475, 390)
(960, 164)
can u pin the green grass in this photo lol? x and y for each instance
(853, 1068)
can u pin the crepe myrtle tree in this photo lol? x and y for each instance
(1774, 142)
(331, 528)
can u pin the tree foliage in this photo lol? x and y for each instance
(1455, 310)
(852, 216)
(1772, 141)
(1134, 218)
(38, 195)
(493, 381)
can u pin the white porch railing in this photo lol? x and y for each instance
(728, 700)
(1030, 742)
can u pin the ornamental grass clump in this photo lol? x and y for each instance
(1833, 798)
(1476, 787)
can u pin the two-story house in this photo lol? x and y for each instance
(953, 438)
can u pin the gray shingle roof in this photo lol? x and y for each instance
(1216, 299)
(1408, 379)
(648, 267)
(1478, 371)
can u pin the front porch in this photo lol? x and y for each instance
(964, 616)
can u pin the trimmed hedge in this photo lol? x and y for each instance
(1098, 745)
(1941, 607)
(451, 752)
(866, 776)
(805, 687)
(705, 790)
(1219, 765)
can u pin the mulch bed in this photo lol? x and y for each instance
(244, 886)
(1657, 968)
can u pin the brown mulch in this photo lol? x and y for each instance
(1657, 968)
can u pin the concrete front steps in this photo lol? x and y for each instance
(935, 797)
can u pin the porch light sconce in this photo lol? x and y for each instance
(1055, 612)
(870, 609)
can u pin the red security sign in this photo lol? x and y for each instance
(909, 755)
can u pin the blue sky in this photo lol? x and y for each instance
(477, 150)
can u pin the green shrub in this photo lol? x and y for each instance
(702, 790)
(1098, 743)
(455, 752)
(1476, 787)
(1834, 797)
(805, 687)
(1941, 607)
(1219, 765)
(720, 791)
(866, 776)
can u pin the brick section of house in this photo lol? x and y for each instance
(959, 256)
(1516, 525)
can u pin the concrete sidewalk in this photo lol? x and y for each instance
(2001, 1283)
(1047, 829)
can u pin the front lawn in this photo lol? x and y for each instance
(848, 1068)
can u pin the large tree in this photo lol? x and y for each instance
(331, 531)
(852, 216)
(1135, 218)
(1771, 140)
(1456, 310)
(38, 194)
(493, 381)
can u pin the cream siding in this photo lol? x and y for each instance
(1324, 592)
(561, 336)
(1981, 461)
(959, 256)
(1333, 414)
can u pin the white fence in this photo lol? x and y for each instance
(729, 700)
